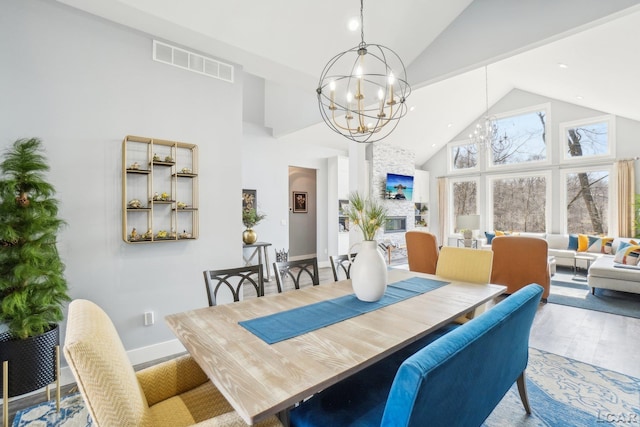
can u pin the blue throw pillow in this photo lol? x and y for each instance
(489, 236)
(573, 242)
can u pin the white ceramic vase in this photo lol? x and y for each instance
(368, 272)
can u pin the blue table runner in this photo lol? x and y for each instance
(291, 323)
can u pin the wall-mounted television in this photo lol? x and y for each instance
(399, 187)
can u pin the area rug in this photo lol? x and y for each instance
(579, 295)
(562, 392)
(72, 414)
(565, 392)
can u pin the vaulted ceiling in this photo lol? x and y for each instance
(445, 45)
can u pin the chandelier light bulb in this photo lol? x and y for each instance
(332, 85)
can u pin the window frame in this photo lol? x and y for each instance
(453, 171)
(479, 195)
(564, 196)
(546, 107)
(490, 178)
(563, 127)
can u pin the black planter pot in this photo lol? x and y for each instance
(32, 361)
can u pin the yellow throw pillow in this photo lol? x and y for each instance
(583, 242)
(499, 233)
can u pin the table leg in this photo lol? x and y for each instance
(267, 265)
(283, 416)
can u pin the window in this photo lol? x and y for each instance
(463, 156)
(519, 203)
(464, 200)
(587, 139)
(587, 201)
(520, 138)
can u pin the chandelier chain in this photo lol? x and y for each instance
(362, 43)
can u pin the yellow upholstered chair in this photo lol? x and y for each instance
(467, 265)
(174, 393)
(422, 251)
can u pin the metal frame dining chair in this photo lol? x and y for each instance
(235, 279)
(341, 263)
(296, 270)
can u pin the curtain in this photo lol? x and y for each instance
(443, 210)
(626, 193)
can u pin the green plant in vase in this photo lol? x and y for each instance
(368, 214)
(250, 218)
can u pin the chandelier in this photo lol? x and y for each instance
(486, 129)
(362, 91)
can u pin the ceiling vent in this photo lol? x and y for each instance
(181, 58)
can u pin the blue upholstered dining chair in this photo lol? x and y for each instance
(454, 377)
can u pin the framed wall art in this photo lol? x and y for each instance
(249, 199)
(299, 202)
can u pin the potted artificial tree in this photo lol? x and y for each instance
(32, 286)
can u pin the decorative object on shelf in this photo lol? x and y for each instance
(33, 289)
(156, 196)
(164, 197)
(185, 170)
(148, 235)
(368, 269)
(156, 158)
(486, 130)
(251, 218)
(184, 235)
(162, 234)
(134, 204)
(168, 159)
(134, 166)
(362, 91)
(181, 205)
(299, 202)
(134, 236)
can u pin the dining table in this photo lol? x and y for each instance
(309, 343)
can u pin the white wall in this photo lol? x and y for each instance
(81, 84)
(265, 166)
(627, 146)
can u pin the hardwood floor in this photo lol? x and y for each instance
(600, 339)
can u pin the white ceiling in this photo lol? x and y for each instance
(289, 42)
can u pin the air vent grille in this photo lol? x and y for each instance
(184, 59)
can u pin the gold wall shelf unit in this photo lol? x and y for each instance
(159, 190)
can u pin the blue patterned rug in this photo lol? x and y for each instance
(562, 392)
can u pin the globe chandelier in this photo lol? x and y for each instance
(362, 92)
(486, 130)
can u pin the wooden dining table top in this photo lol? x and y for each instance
(261, 379)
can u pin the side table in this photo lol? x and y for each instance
(474, 243)
(260, 249)
(587, 259)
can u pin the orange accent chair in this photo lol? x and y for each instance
(519, 261)
(422, 251)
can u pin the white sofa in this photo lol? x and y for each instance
(603, 272)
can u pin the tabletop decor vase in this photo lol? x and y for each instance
(368, 272)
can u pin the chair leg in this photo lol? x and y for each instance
(522, 389)
(5, 392)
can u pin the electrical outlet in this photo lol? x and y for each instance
(148, 318)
